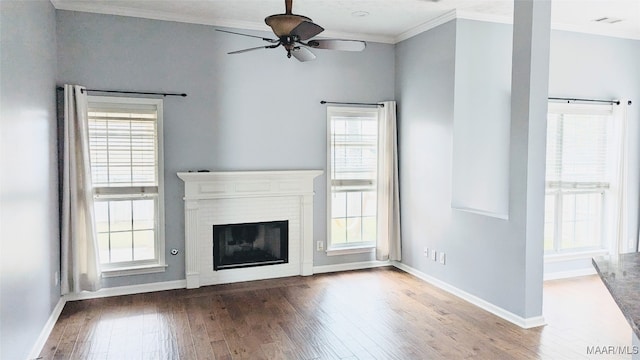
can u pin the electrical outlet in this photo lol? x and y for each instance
(426, 252)
(434, 255)
(56, 278)
(320, 245)
(442, 258)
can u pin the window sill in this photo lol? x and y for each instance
(551, 258)
(350, 250)
(134, 270)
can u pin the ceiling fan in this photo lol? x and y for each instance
(295, 33)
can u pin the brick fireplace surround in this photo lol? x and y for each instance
(233, 197)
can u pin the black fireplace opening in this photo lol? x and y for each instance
(250, 244)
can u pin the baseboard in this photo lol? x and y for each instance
(181, 284)
(128, 290)
(525, 323)
(350, 266)
(46, 330)
(569, 274)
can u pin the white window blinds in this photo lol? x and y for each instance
(123, 146)
(578, 145)
(354, 143)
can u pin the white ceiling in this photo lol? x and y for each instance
(387, 21)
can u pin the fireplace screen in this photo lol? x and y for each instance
(253, 244)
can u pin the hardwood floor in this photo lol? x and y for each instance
(368, 314)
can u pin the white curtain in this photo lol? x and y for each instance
(79, 263)
(620, 185)
(388, 245)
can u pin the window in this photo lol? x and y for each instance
(578, 177)
(126, 168)
(352, 168)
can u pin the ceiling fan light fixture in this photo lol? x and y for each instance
(283, 24)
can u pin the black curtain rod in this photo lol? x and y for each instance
(617, 102)
(350, 103)
(130, 92)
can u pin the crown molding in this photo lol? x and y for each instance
(500, 19)
(101, 8)
(437, 21)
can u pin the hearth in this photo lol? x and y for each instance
(252, 244)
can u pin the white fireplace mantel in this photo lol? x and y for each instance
(227, 197)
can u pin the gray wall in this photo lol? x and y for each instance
(29, 236)
(252, 111)
(485, 255)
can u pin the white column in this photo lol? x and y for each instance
(529, 93)
(192, 263)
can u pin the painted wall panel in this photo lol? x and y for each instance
(481, 123)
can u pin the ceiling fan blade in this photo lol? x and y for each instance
(306, 30)
(253, 36)
(302, 54)
(337, 44)
(254, 48)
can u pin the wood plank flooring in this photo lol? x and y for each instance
(368, 314)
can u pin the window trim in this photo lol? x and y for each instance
(159, 263)
(354, 248)
(347, 250)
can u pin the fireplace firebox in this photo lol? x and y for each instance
(250, 244)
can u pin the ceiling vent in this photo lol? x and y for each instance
(608, 20)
